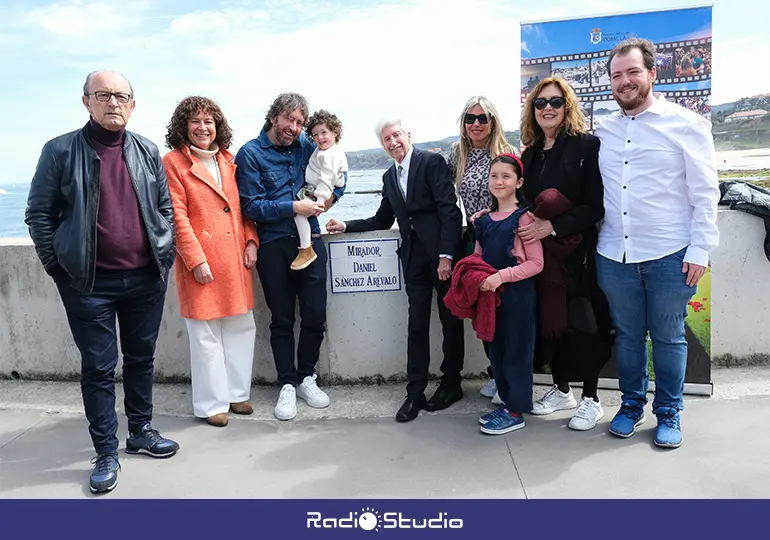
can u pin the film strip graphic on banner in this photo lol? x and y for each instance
(678, 62)
(598, 107)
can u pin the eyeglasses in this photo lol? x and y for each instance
(104, 97)
(555, 102)
(471, 118)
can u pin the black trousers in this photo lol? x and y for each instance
(421, 279)
(570, 362)
(282, 287)
(136, 297)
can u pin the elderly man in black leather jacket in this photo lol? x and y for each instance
(99, 212)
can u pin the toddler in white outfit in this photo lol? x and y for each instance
(325, 171)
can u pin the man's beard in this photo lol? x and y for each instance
(286, 139)
(635, 102)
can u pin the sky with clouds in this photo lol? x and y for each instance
(362, 59)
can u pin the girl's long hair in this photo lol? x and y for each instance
(519, 192)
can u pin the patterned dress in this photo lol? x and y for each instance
(474, 188)
(475, 196)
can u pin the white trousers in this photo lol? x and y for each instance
(303, 226)
(221, 360)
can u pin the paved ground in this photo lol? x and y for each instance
(355, 449)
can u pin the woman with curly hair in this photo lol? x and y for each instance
(574, 327)
(216, 250)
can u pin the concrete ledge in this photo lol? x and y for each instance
(365, 340)
(729, 361)
(740, 298)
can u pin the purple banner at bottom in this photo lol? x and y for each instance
(391, 518)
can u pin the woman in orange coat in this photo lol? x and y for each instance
(216, 251)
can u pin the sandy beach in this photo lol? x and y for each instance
(758, 158)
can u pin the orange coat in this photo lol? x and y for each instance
(209, 228)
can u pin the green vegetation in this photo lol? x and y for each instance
(730, 174)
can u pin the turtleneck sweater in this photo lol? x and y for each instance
(208, 158)
(121, 239)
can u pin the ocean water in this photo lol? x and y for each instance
(353, 205)
(13, 203)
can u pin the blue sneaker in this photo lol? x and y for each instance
(669, 432)
(503, 422)
(485, 418)
(149, 441)
(104, 477)
(629, 417)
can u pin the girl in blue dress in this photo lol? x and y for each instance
(513, 347)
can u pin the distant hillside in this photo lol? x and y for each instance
(729, 134)
(376, 158)
(735, 133)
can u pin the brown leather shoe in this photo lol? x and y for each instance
(305, 258)
(244, 407)
(218, 420)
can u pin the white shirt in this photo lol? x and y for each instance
(403, 179)
(661, 188)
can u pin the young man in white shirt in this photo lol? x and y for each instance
(660, 197)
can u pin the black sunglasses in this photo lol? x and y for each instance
(471, 118)
(555, 102)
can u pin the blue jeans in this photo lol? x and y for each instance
(136, 298)
(649, 296)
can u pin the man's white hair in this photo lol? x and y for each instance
(389, 122)
(87, 84)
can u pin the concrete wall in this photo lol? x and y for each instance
(366, 332)
(740, 290)
(365, 338)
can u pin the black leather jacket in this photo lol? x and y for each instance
(63, 204)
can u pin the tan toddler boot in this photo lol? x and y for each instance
(304, 258)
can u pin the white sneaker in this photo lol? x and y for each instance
(589, 412)
(490, 389)
(554, 400)
(496, 399)
(314, 396)
(286, 408)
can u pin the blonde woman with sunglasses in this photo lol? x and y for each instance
(481, 139)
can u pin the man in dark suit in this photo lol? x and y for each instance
(417, 190)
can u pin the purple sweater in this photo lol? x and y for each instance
(121, 240)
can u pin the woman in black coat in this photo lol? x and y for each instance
(574, 328)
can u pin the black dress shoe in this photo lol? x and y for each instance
(444, 396)
(411, 408)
